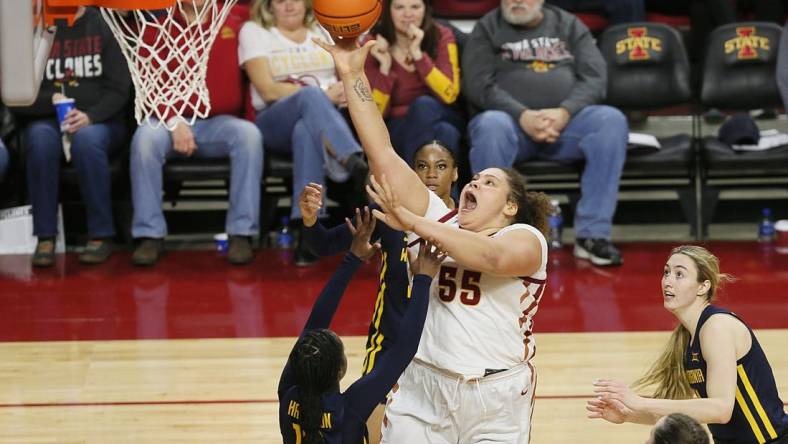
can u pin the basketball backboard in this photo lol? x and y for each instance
(24, 47)
(168, 82)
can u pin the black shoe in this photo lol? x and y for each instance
(97, 251)
(359, 170)
(764, 113)
(44, 256)
(148, 252)
(714, 116)
(302, 256)
(239, 251)
(600, 252)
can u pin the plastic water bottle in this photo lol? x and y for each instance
(556, 225)
(284, 238)
(766, 232)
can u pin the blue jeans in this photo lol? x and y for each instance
(298, 125)
(3, 159)
(427, 119)
(91, 149)
(218, 136)
(596, 135)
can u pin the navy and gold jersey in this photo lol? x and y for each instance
(392, 296)
(393, 290)
(758, 414)
(339, 425)
(344, 414)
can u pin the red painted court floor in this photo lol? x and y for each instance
(196, 294)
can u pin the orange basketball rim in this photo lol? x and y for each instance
(60, 10)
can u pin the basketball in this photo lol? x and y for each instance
(347, 19)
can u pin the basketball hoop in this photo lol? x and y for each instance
(168, 58)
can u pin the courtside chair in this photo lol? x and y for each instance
(277, 182)
(738, 76)
(648, 71)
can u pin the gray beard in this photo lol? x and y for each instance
(521, 19)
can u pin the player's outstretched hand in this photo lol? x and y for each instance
(611, 410)
(429, 259)
(362, 231)
(611, 390)
(394, 214)
(310, 202)
(349, 58)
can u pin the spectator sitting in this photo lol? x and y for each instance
(85, 64)
(222, 134)
(296, 94)
(537, 74)
(616, 11)
(678, 428)
(414, 73)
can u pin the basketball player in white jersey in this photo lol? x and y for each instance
(471, 380)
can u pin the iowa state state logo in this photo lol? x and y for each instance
(746, 43)
(639, 44)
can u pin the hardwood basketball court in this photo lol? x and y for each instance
(191, 350)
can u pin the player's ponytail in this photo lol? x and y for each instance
(318, 363)
(533, 208)
(667, 373)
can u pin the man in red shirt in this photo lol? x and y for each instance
(223, 134)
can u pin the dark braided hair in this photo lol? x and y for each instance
(533, 208)
(318, 362)
(440, 145)
(678, 428)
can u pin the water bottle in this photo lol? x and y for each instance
(766, 232)
(284, 237)
(556, 225)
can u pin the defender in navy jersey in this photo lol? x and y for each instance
(758, 414)
(311, 407)
(436, 167)
(713, 369)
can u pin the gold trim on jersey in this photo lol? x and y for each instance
(756, 402)
(376, 340)
(750, 419)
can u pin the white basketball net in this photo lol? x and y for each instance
(168, 58)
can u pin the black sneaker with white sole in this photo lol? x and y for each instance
(600, 252)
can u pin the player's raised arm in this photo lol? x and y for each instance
(365, 393)
(349, 60)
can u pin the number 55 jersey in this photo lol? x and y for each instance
(479, 323)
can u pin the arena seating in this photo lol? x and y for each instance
(641, 78)
(277, 182)
(739, 75)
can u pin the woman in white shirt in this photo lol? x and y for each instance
(295, 94)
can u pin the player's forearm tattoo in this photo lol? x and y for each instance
(362, 91)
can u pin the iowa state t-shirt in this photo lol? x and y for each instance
(305, 60)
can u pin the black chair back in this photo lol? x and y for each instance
(647, 66)
(739, 70)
